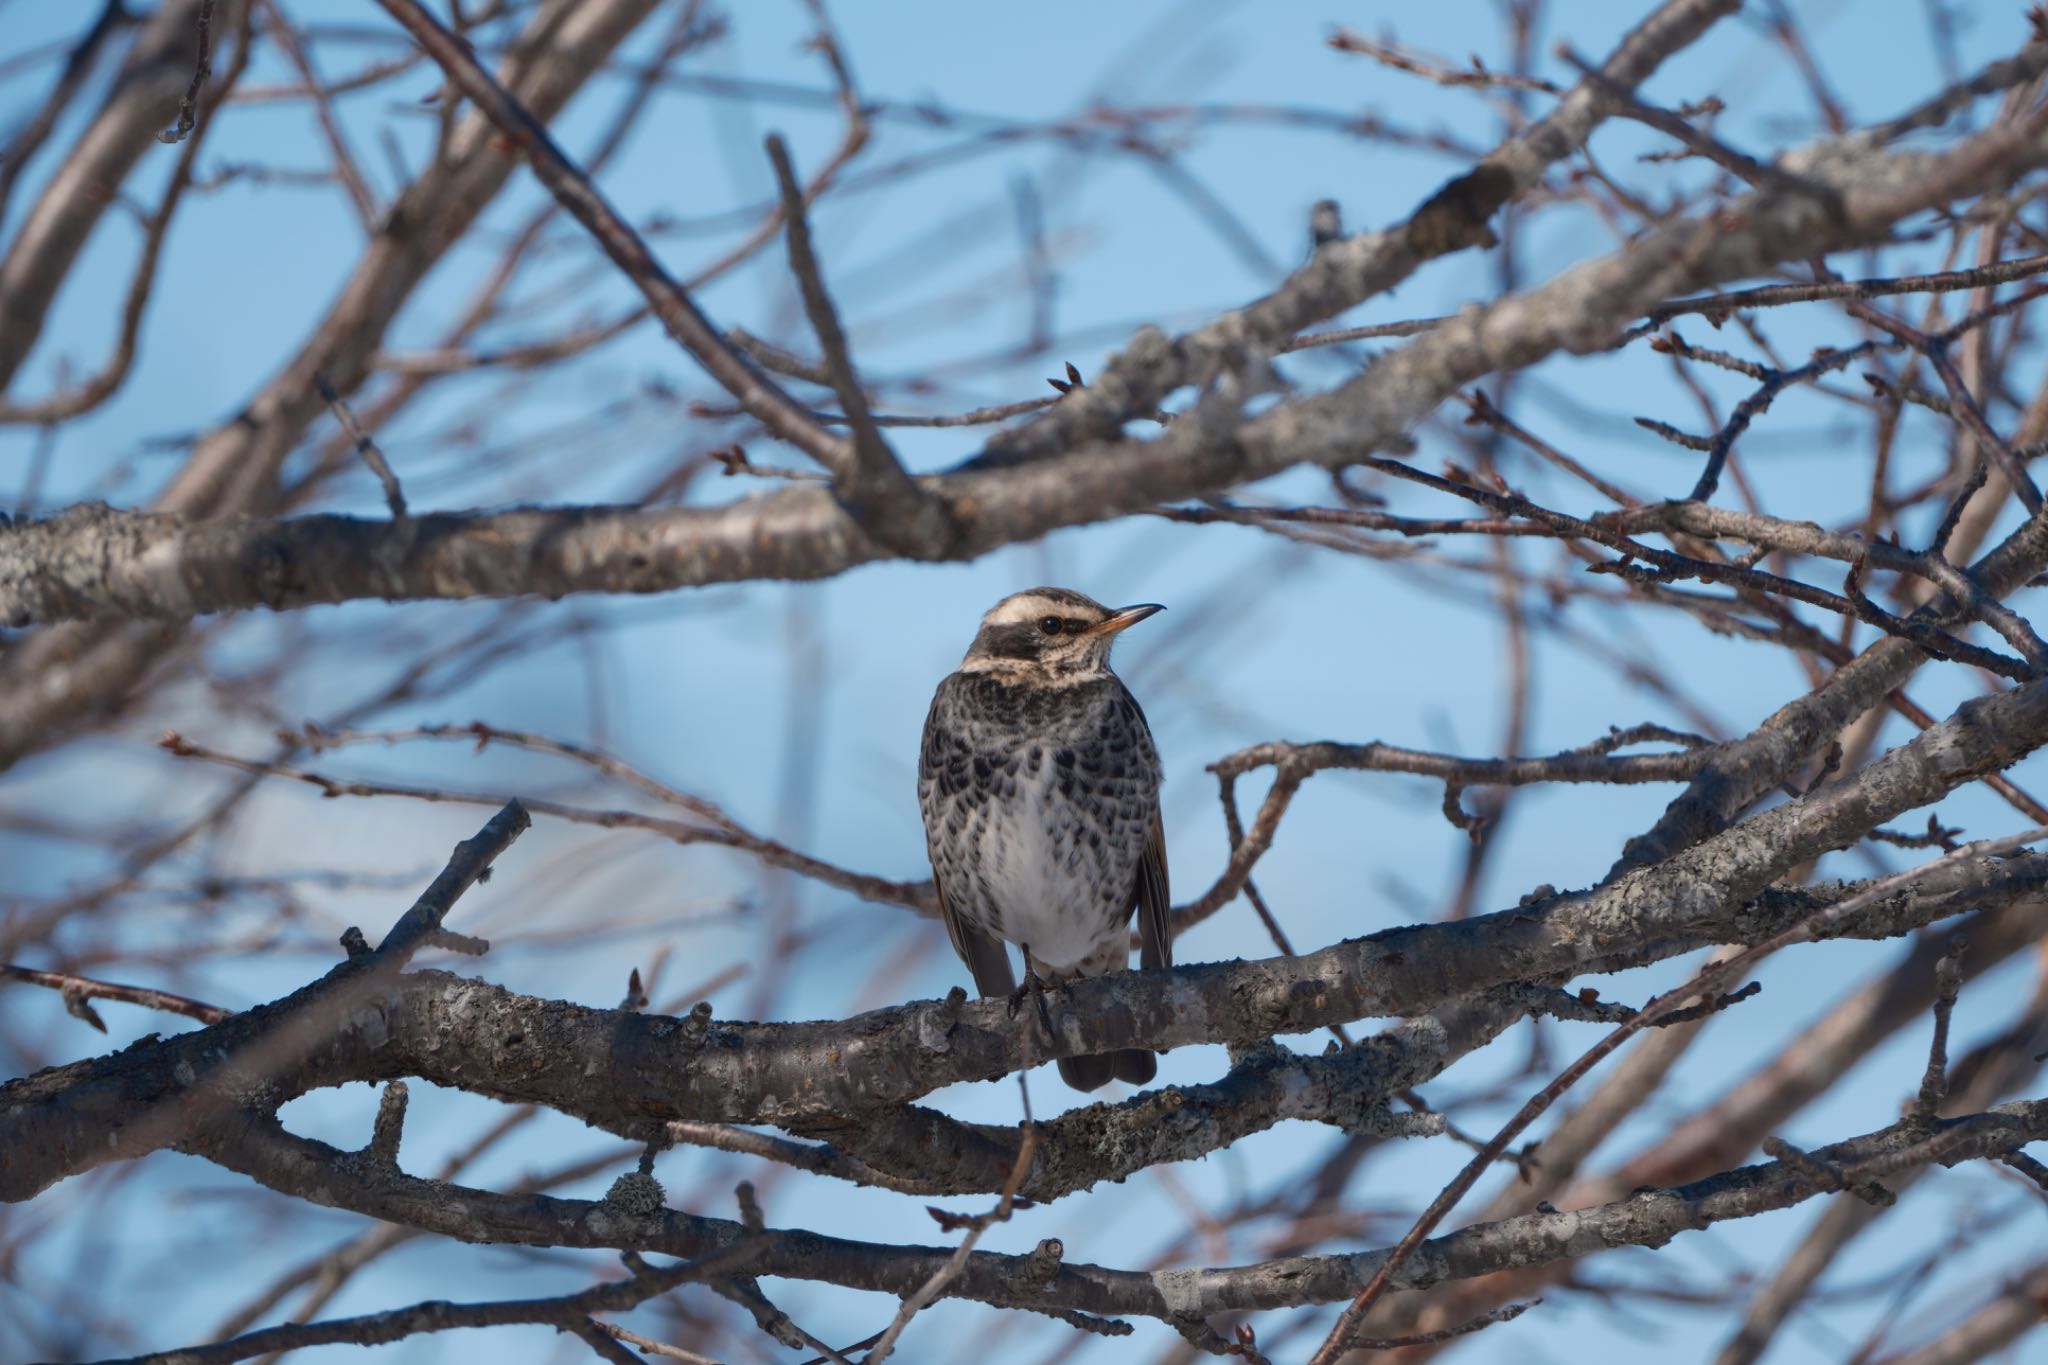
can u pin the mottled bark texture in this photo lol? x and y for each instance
(58, 679)
(848, 1079)
(475, 1036)
(105, 594)
(162, 567)
(257, 1147)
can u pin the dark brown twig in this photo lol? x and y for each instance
(1948, 984)
(188, 107)
(678, 313)
(873, 481)
(366, 446)
(570, 1312)
(1493, 1317)
(79, 990)
(1709, 981)
(715, 828)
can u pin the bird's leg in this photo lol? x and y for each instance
(1034, 986)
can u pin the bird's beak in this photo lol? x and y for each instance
(1123, 618)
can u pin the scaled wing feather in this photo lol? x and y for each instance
(1154, 901)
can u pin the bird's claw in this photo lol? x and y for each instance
(1034, 987)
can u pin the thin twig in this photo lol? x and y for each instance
(188, 107)
(1948, 984)
(930, 1290)
(366, 446)
(1718, 307)
(78, 990)
(873, 478)
(670, 302)
(916, 895)
(1708, 982)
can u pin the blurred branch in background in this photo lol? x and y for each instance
(366, 291)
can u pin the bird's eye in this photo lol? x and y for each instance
(1049, 624)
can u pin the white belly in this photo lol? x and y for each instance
(1056, 894)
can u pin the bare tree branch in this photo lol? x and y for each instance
(718, 764)
(678, 313)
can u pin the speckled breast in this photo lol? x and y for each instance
(1037, 806)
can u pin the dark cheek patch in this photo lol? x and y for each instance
(1008, 642)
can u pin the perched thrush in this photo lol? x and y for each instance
(1040, 792)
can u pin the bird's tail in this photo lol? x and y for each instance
(1134, 1065)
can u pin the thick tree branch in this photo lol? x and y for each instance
(475, 1036)
(1183, 424)
(307, 1169)
(145, 97)
(1351, 1089)
(1348, 271)
(1743, 771)
(160, 567)
(260, 1054)
(56, 679)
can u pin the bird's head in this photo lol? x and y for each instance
(1053, 635)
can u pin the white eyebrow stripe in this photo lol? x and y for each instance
(1015, 610)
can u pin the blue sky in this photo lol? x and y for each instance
(1263, 640)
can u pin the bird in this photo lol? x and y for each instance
(1039, 786)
